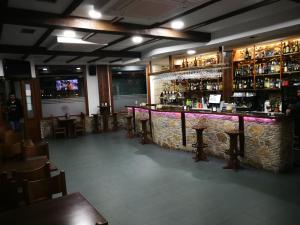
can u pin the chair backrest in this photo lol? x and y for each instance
(11, 137)
(31, 175)
(11, 151)
(38, 149)
(40, 190)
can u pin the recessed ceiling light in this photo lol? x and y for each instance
(69, 33)
(191, 52)
(78, 68)
(94, 14)
(177, 24)
(137, 39)
(45, 69)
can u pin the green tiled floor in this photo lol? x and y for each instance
(134, 184)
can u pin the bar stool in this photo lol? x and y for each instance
(96, 124)
(144, 131)
(129, 126)
(105, 122)
(233, 150)
(199, 145)
(115, 121)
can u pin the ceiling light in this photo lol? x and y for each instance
(177, 24)
(73, 41)
(94, 14)
(78, 68)
(45, 69)
(191, 52)
(69, 33)
(137, 39)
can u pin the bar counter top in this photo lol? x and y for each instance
(257, 114)
(266, 141)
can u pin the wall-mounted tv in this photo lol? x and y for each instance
(16, 68)
(67, 85)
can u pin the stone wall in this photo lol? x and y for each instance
(268, 143)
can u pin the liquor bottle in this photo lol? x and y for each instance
(297, 47)
(183, 64)
(287, 48)
(247, 55)
(260, 69)
(272, 69)
(285, 68)
(186, 63)
(195, 62)
(220, 86)
(267, 83)
(284, 48)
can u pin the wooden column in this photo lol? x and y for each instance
(105, 85)
(227, 77)
(148, 72)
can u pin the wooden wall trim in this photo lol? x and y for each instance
(84, 71)
(148, 72)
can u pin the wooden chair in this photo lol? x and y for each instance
(39, 190)
(56, 129)
(32, 175)
(11, 151)
(8, 193)
(39, 149)
(11, 137)
(79, 127)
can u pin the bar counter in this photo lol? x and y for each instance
(267, 142)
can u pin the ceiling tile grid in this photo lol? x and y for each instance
(57, 6)
(13, 35)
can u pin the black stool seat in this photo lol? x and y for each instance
(199, 145)
(233, 151)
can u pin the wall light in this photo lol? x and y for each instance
(137, 39)
(177, 24)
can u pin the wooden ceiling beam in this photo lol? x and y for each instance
(33, 18)
(115, 60)
(94, 60)
(73, 59)
(17, 49)
(49, 59)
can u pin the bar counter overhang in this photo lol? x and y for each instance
(267, 142)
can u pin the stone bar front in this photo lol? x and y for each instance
(267, 142)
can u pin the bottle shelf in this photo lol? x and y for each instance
(267, 74)
(243, 77)
(291, 72)
(244, 61)
(268, 89)
(267, 58)
(292, 53)
(256, 89)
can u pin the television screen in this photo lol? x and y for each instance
(16, 68)
(67, 85)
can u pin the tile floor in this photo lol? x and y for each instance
(134, 184)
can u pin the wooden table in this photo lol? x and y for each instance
(71, 209)
(28, 164)
(69, 124)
